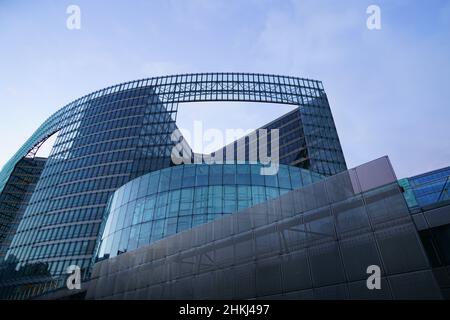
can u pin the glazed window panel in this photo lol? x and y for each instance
(244, 197)
(171, 226)
(229, 174)
(134, 237)
(174, 203)
(125, 235)
(189, 176)
(230, 199)
(166, 213)
(215, 199)
(186, 201)
(158, 229)
(176, 178)
(201, 200)
(243, 175)
(215, 175)
(202, 175)
(184, 223)
(144, 234)
(256, 178)
(138, 211)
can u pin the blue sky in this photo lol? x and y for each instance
(388, 88)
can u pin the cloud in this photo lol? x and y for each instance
(385, 87)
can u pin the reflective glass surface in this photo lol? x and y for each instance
(14, 197)
(427, 189)
(114, 135)
(307, 139)
(179, 198)
(314, 242)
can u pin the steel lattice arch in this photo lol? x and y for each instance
(245, 87)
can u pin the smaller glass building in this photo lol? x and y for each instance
(175, 199)
(427, 190)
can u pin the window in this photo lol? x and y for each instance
(215, 199)
(153, 183)
(158, 230)
(144, 234)
(171, 226)
(295, 178)
(243, 174)
(189, 176)
(201, 200)
(215, 175)
(184, 223)
(258, 195)
(186, 201)
(161, 205)
(271, 180)
(202, 175)
(244, 197)
(123, 244)
(256, 177)
(230, 203)
(176, 179)
(174, 203)
(134, 237)
(164, 180)
(229, 174)
(283, 177)
(138, 211)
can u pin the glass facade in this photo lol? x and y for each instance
(315, 242)
(15, 196)
(112, 136)
(172, 200)
(428, 189)
(322, 142)
(100, 149)
(307, 139)
(428, 199)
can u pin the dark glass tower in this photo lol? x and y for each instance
(15, 196)
(307, 139)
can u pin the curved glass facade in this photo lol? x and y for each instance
(175, 199)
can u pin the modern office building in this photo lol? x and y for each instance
(307, 139)
(114, 135)
(168, 201)
(428, 198)
(113, 200)
(317, 241)
(313, 242)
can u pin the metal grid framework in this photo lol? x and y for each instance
(183, 88)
